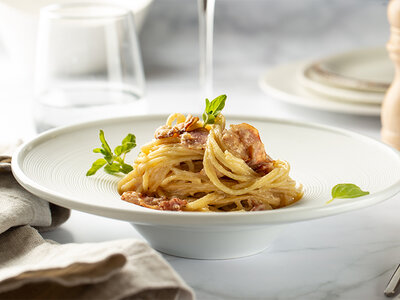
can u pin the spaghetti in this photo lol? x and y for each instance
(194, 168)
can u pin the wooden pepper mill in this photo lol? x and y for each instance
(390, 114)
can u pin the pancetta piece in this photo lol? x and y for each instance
(168, 131)
(243, 140)
(162, 203)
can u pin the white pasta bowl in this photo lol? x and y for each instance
(53, 166)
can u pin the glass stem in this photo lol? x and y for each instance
(206, 24)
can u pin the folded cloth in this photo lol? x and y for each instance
(19, 207)
(34, 268)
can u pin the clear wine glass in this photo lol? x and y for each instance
(88, 64)
(206, 28)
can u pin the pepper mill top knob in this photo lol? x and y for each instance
(393, 13)
(390, 115)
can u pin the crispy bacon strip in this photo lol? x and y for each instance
(243, 140)
(195, 139)
(167, 131)
(162, 203)
(191, 135)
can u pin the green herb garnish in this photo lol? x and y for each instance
(213, 109)
(115, 162)
(346, 190)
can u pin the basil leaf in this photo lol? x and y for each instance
(213, 109)
(346, 190)
(118, 150)
(96, 166)
(104, 143)
(205, 118)
(217, 105)
(211, 119)
(125, 168)
(128, 143)
(207, 104)
(115, 162)
(112, 169)
(130, 138)
(127, 147)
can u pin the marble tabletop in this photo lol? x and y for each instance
(348, 256)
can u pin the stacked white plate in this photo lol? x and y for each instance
(353, 82)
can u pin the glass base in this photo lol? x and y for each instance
(53, 111)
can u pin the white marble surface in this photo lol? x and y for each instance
(349, 256)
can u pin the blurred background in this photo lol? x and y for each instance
(249, 37)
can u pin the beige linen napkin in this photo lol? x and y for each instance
(34, 268)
